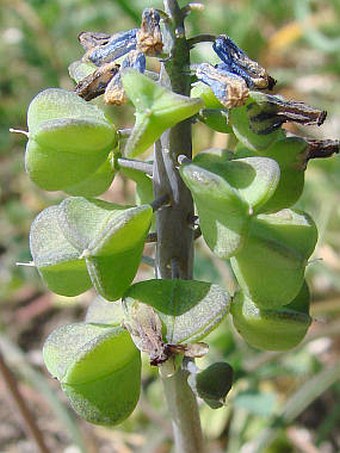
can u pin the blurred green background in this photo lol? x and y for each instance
(288, 401)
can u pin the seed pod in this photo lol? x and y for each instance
(291, 155)
(252, 137)
(270, 267)
(226, 194)
(213, 384)
(272, 329)
(83, 242)
(222, 212)
(99, 369)
(157, 109)
(201, 90)
(69, 139)
(96, 184)
(57, 260)
(254, 178)
(214, 115)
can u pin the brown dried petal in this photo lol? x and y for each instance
(269, 112)
(149, 36)
(89, 39)
(95, 84)
(322, 148)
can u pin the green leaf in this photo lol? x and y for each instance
(157, 109)
(274, 330)
(270, 267)
(189, 309)
(99, 369)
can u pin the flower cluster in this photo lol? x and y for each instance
(103, 52)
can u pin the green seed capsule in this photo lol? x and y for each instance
(270, 267)
(85, 242)
(290, 154)
(157, 109)
(214, 383)
(273, 330)
(69, 140)
(222, 212)
(227, 193)
(99, 369)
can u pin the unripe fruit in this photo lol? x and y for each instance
(69, 139)
(99, 369)
(254, 178)
(272, 329)
(223, 214)
(201, 90)
(290, 153)
(226, 194)
(214, 115)
(213, 384)
(85, 242)
(253, 135)
(157, 109)
(270, 267)
(96, 184)
(57, 260)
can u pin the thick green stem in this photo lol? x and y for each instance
(183, 409)
(174, 229)
(175, 235)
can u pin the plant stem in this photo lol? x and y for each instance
(135, 165)
(183, 409)
(174, 232)
(175, 235)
